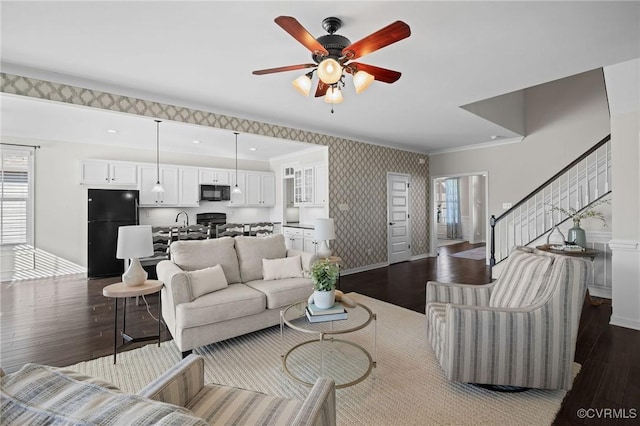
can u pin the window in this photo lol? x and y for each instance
(16, 197)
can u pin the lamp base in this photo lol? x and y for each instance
(135, 274)
(324, 250)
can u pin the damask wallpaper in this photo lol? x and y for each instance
(357, 171)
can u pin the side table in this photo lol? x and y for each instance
(590, 253)
(122, 291)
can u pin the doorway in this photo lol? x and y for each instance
(398, 218)
(460, 209)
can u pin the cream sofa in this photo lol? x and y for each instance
(248, 303)
(38, 394)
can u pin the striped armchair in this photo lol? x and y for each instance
(517, 331)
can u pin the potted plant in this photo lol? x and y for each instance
(576, 234)
(324, 275)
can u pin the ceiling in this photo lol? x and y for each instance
(201, 54)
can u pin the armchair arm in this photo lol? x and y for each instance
(460, 294)
(319, 409)
(179, 384)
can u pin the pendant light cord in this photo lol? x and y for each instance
(236, 133)
(157, 151)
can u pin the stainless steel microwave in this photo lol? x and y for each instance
(215, 192)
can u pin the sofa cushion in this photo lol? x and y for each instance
(199, 254)
(235, 301)
(204, 281)
(277, 269)
(38, 394)
(524, 277)
(281, 293)
(251, 251)
(228, 405)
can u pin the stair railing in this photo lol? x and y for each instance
(582, 182)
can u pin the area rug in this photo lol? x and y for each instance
(478, 253)
(408, 386)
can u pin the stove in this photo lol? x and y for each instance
(211, 219)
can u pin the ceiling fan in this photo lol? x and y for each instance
(333, 55)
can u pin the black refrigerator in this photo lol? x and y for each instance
(108, 209)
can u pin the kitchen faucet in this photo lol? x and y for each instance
(186, 223)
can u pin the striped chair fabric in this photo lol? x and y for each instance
(532, 345)
(38, 394)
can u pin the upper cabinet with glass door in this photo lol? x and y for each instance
(310, 186)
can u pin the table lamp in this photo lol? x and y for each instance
(323, 232)
(134, 242)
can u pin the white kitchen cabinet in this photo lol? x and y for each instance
(101, 172)
(309, 186)
(238, 199)
(260, 189)
(214, 177)
(189, 191)
(293, 238)
(168, 179)
(320, 185)
(309, 243)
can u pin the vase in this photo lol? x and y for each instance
(555, 237)
(577, 235)
(324, 299)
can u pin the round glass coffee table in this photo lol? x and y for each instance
(329, 353)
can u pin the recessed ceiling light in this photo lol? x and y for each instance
(494, 137)
(196, 141)
(112, 131)
(252, 149)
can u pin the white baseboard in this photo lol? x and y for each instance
(421, 256)
(600, 292)
(364, 268)
(625, 322)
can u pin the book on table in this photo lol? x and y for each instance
(335, 309)
(326, 317)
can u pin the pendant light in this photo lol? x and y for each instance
(236, 188)
(158, 186)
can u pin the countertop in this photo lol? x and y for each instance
(297, 225)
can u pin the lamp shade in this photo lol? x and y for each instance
(324, 229)
(362, 80)
(134, 242)
(303, 84)
(329, 71)
(333, 96)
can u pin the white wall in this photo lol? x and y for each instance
(564, 119)
(61, 202)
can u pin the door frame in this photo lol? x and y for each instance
(434, 215)
(408, 176)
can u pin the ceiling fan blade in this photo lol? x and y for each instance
(380, 74)
(297, 31)
(388, 35)
(322, 88)
(281, 69)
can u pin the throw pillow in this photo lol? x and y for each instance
(278, 269)
(206, 280)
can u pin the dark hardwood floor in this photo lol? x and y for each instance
(62, 321)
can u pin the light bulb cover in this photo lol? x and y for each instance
(329, 71)
(236, 190)
(333, 96)
(157, 187)
(362, 80)
(303, 84)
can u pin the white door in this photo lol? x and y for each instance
(399, 221)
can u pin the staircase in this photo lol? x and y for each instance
(581, 183)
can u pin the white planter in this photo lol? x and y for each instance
(324, 299)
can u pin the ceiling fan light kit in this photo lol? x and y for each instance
(332, 54)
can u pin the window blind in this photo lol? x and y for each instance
(16, 194)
